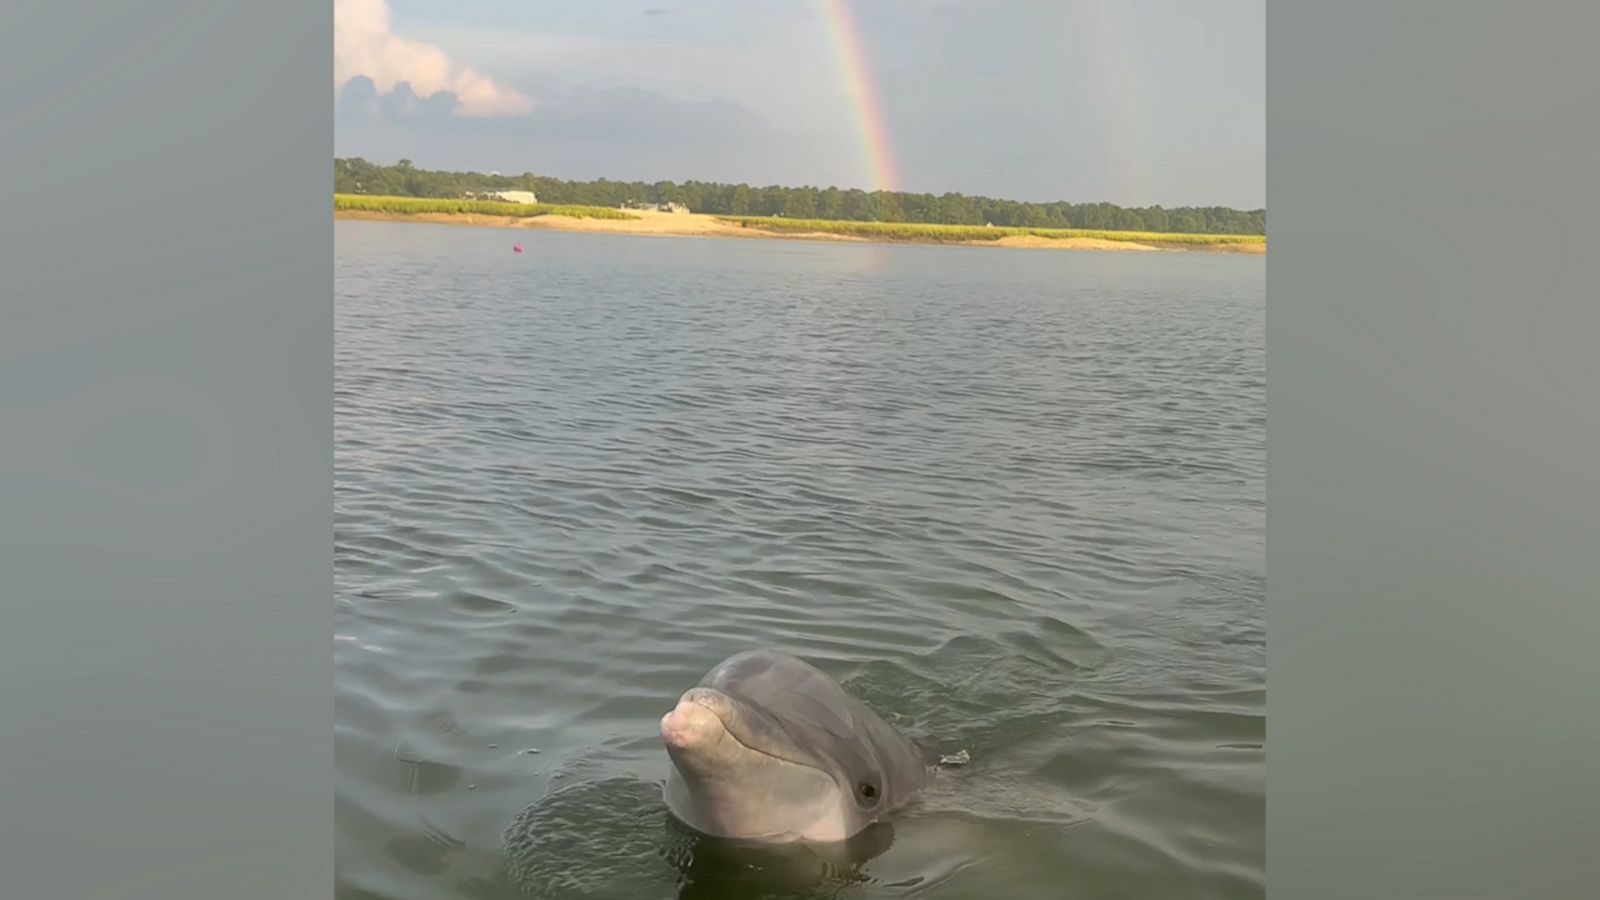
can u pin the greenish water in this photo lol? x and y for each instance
(1014, 500)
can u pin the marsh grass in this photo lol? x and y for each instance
(909, 231)
(415, 205)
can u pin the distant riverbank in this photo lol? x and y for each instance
(664, 224)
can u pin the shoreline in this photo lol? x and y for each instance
(662, 224)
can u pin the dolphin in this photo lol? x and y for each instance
(767, 748)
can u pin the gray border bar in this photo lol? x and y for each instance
(1432, 497)
(166, 450)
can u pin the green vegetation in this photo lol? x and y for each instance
(414, 205)
(358, 176)
(905, 231)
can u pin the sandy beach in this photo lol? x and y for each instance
(664, 224)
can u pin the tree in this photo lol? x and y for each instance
(800, 203)
(830, 205)
(1030, 216)
(666, 192)
(358, 175)
(886, 207)
(857, 206)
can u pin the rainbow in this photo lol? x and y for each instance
(852, 59)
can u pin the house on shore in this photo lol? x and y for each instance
(502, 196)
(655, 207)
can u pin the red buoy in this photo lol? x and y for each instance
(516, 248)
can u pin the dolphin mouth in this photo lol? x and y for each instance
(678, 727)
(689, 726)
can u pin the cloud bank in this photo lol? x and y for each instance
(364, 46)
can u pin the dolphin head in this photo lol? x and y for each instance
(769, 748)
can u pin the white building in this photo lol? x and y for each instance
(506, 196)
(657, 207)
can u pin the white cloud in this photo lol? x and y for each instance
(757, 73)
(363, 45)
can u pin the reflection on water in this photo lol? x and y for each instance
(1013, 500)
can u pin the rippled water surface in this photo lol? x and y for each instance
(1011, 499)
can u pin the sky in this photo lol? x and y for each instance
(1133, 102)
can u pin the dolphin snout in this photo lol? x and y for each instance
(695, 721)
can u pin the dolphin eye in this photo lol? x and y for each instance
(867, 793)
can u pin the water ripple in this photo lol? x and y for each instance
(1013, 501)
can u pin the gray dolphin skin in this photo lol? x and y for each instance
(768, 748)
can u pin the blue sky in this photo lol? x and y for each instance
(1133, 102)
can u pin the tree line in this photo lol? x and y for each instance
(358, 176)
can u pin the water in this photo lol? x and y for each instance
(1012, 499)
